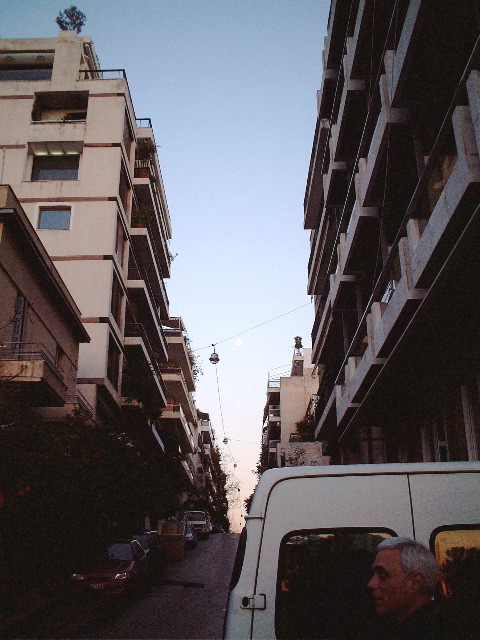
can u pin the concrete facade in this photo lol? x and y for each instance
(40, 324)
(289, 400)
(392, 207)
(86, 173)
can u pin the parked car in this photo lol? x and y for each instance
(152, 545)
(304, 558)
(124, 566)
(191, 539)
(200, 521)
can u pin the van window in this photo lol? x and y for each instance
(322, 582)
(457, 550)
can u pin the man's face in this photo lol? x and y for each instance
(394, 592)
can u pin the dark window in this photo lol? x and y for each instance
(322, 583)
(113, 365)
(55, 167)
(60, 106)
(120, 242)
(117, 297)
(35, 73)
(54, 218)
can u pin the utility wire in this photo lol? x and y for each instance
(214, 344)
(221, 413)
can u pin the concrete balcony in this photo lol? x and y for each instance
(335, 184)
(142, 299)
(178, 354)
(359, 376)
(142, 239)
(456, 204)
(389, 132)
(355, 244)
(31, 369)
(314, 189)
(346, 135)
(137, 345)
(328, 419)
(390, 319)
(178, 390)
(173, 418)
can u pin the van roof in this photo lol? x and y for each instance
(271, 477)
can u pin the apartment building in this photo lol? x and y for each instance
(86, 172)
(392, 206)
(290, 400)
(40, 324)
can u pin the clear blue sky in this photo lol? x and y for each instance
(230, 86)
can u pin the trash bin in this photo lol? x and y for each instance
(172, 535)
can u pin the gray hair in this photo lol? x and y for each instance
(415, 557)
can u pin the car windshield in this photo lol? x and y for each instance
(143, 540)
(120, 551)
(196, 515)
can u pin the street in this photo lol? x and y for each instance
(187, 600)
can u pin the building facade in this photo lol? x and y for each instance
(392, 205)
(291, 399)
(40, 324)
(86, 172)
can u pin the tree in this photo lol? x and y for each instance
(72, 19)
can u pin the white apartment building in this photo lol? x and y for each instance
(290, 399)
(86, 172)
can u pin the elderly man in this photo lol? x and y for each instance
(405, 576)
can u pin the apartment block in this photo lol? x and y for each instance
(86, 172)
(40, 324)
(290, 399)
(392, 206)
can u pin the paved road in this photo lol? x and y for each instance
(188, 602)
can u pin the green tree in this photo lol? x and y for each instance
(72, 19)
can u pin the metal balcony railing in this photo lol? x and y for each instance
(144, 123)
(75, 397)
(30, 351)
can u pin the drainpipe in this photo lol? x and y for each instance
(3, 164)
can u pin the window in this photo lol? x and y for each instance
(26, 65)
(117, 298)
(120, 241)
(113, 364)
(322, 583)
(54, 218)
(457, 550)
(60, 106)
(61, 167)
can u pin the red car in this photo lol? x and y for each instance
(125, 565)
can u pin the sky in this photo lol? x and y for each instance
(230, 87)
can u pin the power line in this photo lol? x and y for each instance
(255, 327)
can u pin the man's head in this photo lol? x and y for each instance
(405, 576)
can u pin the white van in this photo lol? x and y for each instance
(305, 555)
(200, 521)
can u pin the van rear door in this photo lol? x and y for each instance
(308, 524)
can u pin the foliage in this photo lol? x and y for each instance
(248, 502)
(66, 489)
(306, 427)
(72, 19)
(139, 384)
(145, 149)
(194, 360)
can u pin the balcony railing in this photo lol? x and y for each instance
(102, 74)
(144, 123)
(75, 397)
(30, 351)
